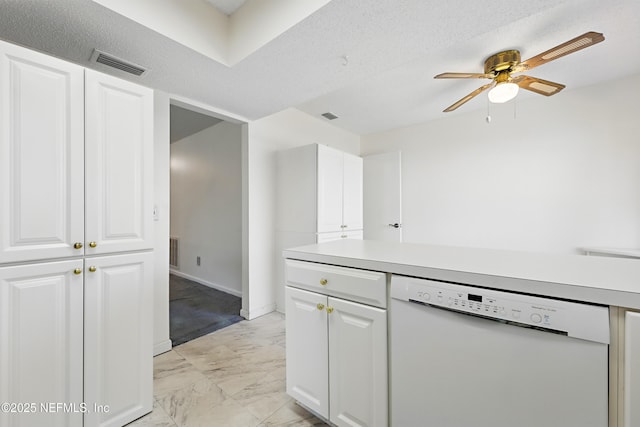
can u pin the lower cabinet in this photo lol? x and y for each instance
(75, 342)
(632, 369)
(337, 358)
(118, 338)
(41, 353)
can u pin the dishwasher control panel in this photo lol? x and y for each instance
(574, 319)
(486, 303)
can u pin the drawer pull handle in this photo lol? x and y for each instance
(329, 310)
(320, 306)
(323, 282)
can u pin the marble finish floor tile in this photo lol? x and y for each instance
(233, 377)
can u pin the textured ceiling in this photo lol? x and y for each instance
(394, 48)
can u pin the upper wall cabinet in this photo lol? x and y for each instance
(320, 191)
(41, 156)
(43, 174)
(118, 165)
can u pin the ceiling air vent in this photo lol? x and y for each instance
(329, 116)
(114, 62)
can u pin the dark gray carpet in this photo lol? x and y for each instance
(196, 310)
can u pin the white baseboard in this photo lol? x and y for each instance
(162, 347)
(260, 311)
(207, 283)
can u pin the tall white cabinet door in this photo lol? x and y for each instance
(41, 344)
(119, 165)
(118, 331)
(41, 156)
(330, 170)
(306, 351)
(632, 369)
(352, 193)
(357, 364)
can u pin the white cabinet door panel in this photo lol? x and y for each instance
(357, 364)
(41, 156)
(119, 165)
(306, 351)
(352, 193)
(118, 337)
(632, 370)
(41, 343)
(330, 171)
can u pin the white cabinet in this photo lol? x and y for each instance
(119, 165)
(76, 182)
(357, 364)
(41, 156)
(632, 369)
(319, 191)
(118, 339)
(41, 347)
(47, 164)
(339, 190)
(337, 348)
(307, 349)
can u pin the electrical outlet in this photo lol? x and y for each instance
(197, 260)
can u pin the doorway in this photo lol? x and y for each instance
(205, 284)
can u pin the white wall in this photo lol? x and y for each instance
(161, 340)
(564, 174)
(287, 129)
(206, 206)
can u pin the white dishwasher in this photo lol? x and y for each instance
(467, 356)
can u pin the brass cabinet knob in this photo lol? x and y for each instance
(92, 269)
(93, 244)
(320, 306)
(77, 271)
(77, 245)
(323, 282)
(329, 310)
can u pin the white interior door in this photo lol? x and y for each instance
(383, 197)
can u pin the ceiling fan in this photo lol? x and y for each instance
(500, 67)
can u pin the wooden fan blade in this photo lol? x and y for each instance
(573, 45)
(542, 87)
(463, 76)
(468, 97)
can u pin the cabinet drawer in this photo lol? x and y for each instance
(367, 287)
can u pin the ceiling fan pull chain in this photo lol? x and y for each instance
(488, 118)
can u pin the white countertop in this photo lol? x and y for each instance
(619, 252)
(600, 280)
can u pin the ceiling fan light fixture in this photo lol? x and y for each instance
(503, 92)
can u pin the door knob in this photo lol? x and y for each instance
(77, 271)
(323, 282)
(92, 268)
(93, 244)
(329, 310)
(395, 225)
(77, 245)
(320, 306)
